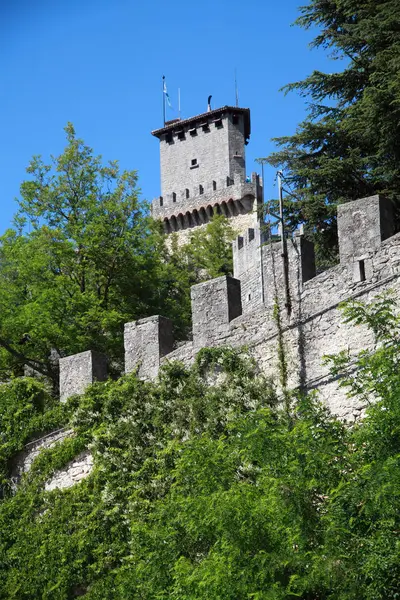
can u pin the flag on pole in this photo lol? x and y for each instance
(167, 95)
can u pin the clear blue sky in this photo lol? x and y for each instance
(99, 63)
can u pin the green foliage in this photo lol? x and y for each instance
(348, 146)
(206, 487)
(209, 250)
(26, 409)
(92, 260)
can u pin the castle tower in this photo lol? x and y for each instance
(203, 171)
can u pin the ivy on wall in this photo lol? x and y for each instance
(204, 487)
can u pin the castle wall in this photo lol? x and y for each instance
(242, 312)
(23, 460)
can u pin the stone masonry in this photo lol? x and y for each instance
(203, 172)
(239, 311)
(79, 371)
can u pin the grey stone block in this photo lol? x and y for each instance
(80, 370)
(363, 225)
(146, 341)
(214, 304)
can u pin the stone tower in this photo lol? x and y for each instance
(203, 171)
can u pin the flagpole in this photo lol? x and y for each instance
(163, 95)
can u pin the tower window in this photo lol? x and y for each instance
(181, 135)
(218, 123)
(187, 193)
(193, 131)
(201, 189)
(161, 200)
(168, 137)
(251, 234)
(173, 197)
(229, 181)
(214, 185)
(205, 127)
(194, 162)
(235, 119)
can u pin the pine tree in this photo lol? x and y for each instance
(348, 147)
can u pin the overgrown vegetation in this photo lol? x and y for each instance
(85, 258)
(214, 491)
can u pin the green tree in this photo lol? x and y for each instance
(92, 261)
(209, 250)
(348, 146)
(362, 522)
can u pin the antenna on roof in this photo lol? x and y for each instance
(236, 90)
(209, 104)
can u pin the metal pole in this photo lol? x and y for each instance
(285, 261)
(236, 91)
(163, 96)
(261, 238)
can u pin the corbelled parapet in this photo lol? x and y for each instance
(146, 341)
(79, 371)
(215, 304)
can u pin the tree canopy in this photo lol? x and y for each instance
(85, 257)
(348, 146)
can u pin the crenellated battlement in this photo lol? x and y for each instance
(241, 310)
(228, 197)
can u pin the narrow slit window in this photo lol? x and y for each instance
(161, 200)
(194, 162)
(201, 189)
(187, 193)
(173, 197)
(214, 185)
(361, 265)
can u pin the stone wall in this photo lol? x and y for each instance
(194, 154)
(77, 469)
(241, 312)
(203, 171)
(312, 326)
(23, 460)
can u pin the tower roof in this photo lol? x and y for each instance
(178, 124)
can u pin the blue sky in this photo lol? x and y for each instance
(99, 63)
